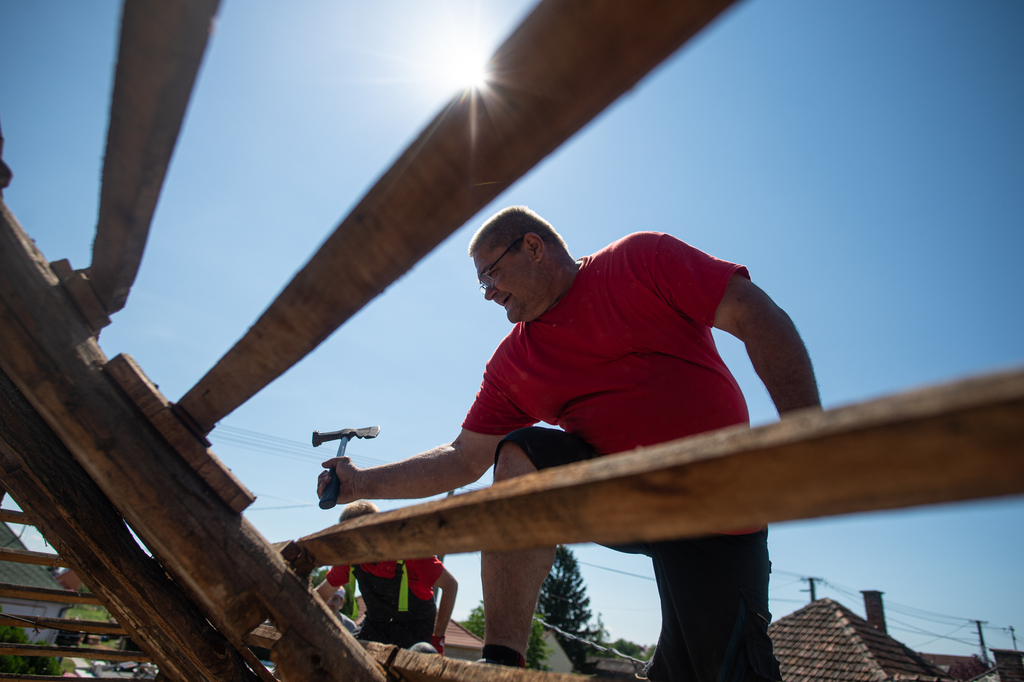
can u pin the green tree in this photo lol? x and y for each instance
(537, 651)
(564, 603)
(25, 665)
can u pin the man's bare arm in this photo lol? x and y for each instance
(449, 589)
(773, 343)
(433, 472)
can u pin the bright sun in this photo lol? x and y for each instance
(461, 66)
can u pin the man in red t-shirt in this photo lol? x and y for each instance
(616, 349)
(399, 595)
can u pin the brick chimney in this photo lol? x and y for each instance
(1009, 665)
(874, 610)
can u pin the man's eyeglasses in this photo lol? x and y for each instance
(486, 281)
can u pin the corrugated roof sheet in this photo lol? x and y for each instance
(826, 642)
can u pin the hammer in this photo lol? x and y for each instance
(330, 496)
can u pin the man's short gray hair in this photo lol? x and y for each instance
(358, 508)
(509, 224)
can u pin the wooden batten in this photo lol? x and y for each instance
(25, 556)
(157, 409)
(228, 569)
(78, 519)
(161, 47)
(77, 652)
(66, 624)
(564, 64)
(11, 516)
(955, 442)
(46, 594)
(407, 665)
(79, 288)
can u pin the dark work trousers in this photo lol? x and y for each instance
(714, 590)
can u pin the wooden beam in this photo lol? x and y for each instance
(414, 667)
(227, 568)
(25, 556)
(162, 45)
(67, 624)
(77, 518)
(157, 409)
(78, 652)
(11, 516)
(46, 594)
(565, 63)
(409, 666)
(955, 442)
(21, 677)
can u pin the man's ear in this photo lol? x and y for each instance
(534, 245)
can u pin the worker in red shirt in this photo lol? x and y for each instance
(399, 595)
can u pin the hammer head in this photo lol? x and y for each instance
(368, 432)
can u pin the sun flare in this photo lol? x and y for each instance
(462, 67)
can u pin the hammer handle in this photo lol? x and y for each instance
(330, 497)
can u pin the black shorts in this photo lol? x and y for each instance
(714, 590)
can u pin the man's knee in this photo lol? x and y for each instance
(512, 462)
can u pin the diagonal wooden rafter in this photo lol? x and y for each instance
(226, 567)
(162, 45)
(960, 441)
(76, 517)
(568, 61)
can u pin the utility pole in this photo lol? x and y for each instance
(810, 581)
(1013, 637)
(981, 638)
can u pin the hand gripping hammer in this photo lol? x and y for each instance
(330, 496)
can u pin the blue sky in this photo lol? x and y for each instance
(865, 160)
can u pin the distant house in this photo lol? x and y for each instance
(1009, 667)
(557, 661)
(28, 575)
(826, 641)
(461, 643)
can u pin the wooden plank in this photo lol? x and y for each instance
(25, 556)
(78, 519)
(46, 594)
(162, 45)
(960, 441)
(11, 516)
(565, 63)
(78, 652)
(18, 677)
(67, 624)
(415, 667)
(157, 409)
(228, 569)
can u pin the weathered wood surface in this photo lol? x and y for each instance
(415, 667)
(959, 441)
(46, 594)
(78, 285)
(67, 624)
(162, 45)
(79, 521)
(77, 652)
(224, 564)
(11, 516)
(157, 409)
(27, 556)
(565, 63)
(17, 677)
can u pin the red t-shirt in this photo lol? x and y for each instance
(625, 358)
(423, 573)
